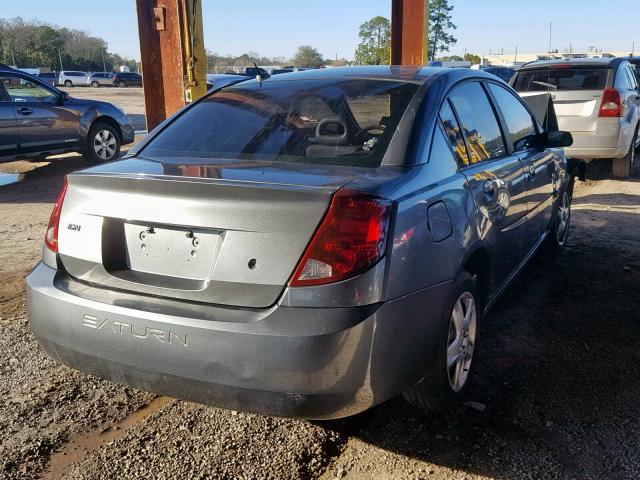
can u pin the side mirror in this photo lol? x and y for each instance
(64, 97)
(557, 139)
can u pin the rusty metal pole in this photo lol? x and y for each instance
(161, 55)
(173, 56)
(409, 32)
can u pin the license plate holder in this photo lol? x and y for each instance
(171, 251)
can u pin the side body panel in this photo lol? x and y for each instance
(8, 127)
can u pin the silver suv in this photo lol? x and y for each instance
(596, 99)
(73, 78)
(101, 79)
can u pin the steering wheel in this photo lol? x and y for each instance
(370, 129)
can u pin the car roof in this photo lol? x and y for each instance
(582, 62)
(409, 74)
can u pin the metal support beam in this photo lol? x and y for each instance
(172, 55)
(409, 27)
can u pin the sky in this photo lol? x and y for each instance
(278, 27)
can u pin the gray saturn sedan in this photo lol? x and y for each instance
(310, 245)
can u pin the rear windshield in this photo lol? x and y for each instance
(561, 78)
(349, 122)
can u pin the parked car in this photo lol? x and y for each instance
(101, 79)
(73, 79)
(310, 245)
(37, 120)
(635, 65)
(596, 99)
(50, 78)
(254, 72)
(504, 73)
(217, 80)
(127, 79)
(278, 71)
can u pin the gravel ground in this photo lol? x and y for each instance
(555, 389)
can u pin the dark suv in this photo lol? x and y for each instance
(37, 120)
(127, 79)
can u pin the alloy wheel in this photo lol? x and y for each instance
(461, 340)
(105, 144)
(563, 219)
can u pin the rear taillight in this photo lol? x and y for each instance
(611, 105)
(351, 238)
(51, 238)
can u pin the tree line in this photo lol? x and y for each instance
(32, 44)
(375, 36)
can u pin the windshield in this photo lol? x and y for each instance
(561, 77)
(348, 122)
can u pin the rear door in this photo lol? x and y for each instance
(539, 165)
(8, 126)
(494, 174)
(576, 92)
(44, 124)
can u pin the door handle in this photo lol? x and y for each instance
(25, 111)
(532, 171)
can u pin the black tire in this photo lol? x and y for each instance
(623, 167)
(556, 240)
(95, 84)
(435, 391)
(68, 83)
(103, 151)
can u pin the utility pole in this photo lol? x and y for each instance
(13, 57)
(104, 65)
(172, 54)
(60, 58)
(515, 57)
(409, 32)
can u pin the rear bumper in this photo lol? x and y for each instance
(302, 362)
(611, 139)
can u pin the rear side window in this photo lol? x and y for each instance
(478, 121)
(454, 134)
(340, 122)
(518, 119)
(561, 77)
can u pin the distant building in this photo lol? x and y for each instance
(516, 60)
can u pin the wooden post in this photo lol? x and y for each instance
(409, 32)
(161, 56)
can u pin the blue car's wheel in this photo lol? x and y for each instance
(449, 365)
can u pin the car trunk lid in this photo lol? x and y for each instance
(227, 233)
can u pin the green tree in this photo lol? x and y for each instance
(375, 42)
(440, 26)
(473, 58)
(307, 56)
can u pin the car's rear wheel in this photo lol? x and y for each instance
(122, 84)
(68, 83)
(95, 84)
(622, 167)
(103, 143)
(448, 370)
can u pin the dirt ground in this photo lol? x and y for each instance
(555, 392)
